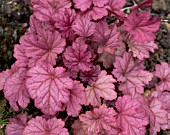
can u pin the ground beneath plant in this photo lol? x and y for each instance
(14, 18)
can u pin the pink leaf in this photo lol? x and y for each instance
(106, 38)
(163, 72)
(39, 126)
(79, 129)
(161, 116)
(45, 46)
(20, 55)
(90, 76)
(131, 74)
(3, 77)
(140, 25)
(98, 13)
(101, 120)
(131, 119)
(15, 90)
(141, 50)
(77, 98)
(64, 21)
(83, 5)
(77, 57)
(103, 87)
(83, 26)
(99, 3)
(45, 9)
(48, 87)
(17, 125)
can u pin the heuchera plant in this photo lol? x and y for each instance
(74, 59)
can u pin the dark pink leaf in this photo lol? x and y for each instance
(20, 55)
(141, 50)
(15, 90)
(83, 26)
(131, 118)
(17, 125)
(90, 76)
(77, 98)
(45, 9)
(140, 25)
(106, 38)
(48, 87)
(3, 77)
(77, 58)
(64, 21)
(144, 4)
(131, 74)
(39, 126)
(103, 87)
(163, 72)
(44, 46)
(101, 120)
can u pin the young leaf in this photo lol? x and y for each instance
(15, 90)
(141, 27)
(48, 87)
(103, 87)
(77, 98)
(77, 58)
(106, 38)
(39, 126)
(131, 74)
(3, 76)
(17, 125)
(163, 72)
(90, 76)
(83, 26)
(64, 21)
(131, 118)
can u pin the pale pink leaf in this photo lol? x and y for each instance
(48, 87)
(20, 55)
(90, 76)
(106, 38)
(162, 71)
(99, 3)
(101, 120)
(77, 98)
(131, 74)
(103, 87)
(15, 90)
(131, 119)
(76, 57)
(140, 25)
(39, 126)
(161, 116)
(83, 26)
(141, 50)
(17, 125)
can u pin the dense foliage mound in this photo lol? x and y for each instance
(74, 60)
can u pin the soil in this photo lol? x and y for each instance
(14, 19)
